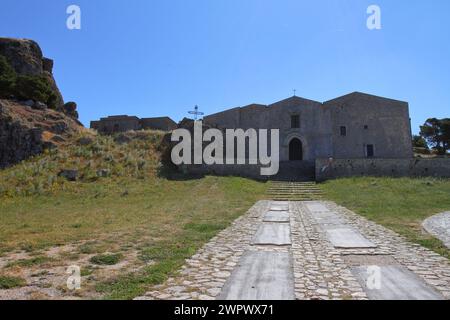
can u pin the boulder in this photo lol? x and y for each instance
(122, 139)
(85, 141)
(47, 65)
(29, 103)
(103, 173)
(57, 138)
(70, 108)
(59, 127)
(40, 105)
(69, 174)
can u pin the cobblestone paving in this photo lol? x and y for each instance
(320, 271)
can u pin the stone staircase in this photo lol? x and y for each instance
(294, 191)
(296, 171)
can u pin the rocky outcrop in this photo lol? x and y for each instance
(28, 127)
(26, 58)
(26, 131)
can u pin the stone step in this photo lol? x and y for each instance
(294, 191)
(295, 198)
(293, 184)
(297, 190)
(300, 193)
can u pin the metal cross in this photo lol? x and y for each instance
(196, 113)
(295, 91)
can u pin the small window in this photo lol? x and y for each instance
(343, 131)
(295, 121)
(370, 151)
(366, 127)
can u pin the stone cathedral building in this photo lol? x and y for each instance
(350, 129)
(353, 126)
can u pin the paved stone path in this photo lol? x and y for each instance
(308, 250)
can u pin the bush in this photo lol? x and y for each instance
(11, 282)
(23, 87)
(7, 78)
(106, 259)
(35, 88)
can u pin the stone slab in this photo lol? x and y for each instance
(396, 283)
(316, 207)
(439, 226)
(279, 208)
(261, 275)
(280, 203)
(277, 216)
(278, 234)
(346, 238)
(328, 218)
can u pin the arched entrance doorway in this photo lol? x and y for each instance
(295, 150)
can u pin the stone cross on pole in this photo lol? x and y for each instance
(196, 113)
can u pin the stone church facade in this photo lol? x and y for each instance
(354, 126)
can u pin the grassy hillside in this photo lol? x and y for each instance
(127, 230)
(400, 204)
(137, 159)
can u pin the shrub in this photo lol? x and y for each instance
(11, 282)
(106, 259)
(24, 87)
(7, 78)
(35, 88)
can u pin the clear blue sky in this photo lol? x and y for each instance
(153, 58)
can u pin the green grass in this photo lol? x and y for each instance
(29, 262)
(400, 204)
(7, 282)
(106, 259)
(165, 221)
(204, 218)
(138, 159)
(131, 210)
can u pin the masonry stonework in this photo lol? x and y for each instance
(438, 167)
(356, 125)
(123, 123)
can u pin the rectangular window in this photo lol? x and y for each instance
(295, 121)
(343, 131)
(370, 151)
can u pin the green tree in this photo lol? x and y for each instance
(437, 133)
(7, 78)
(419, 142)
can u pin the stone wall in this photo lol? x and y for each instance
(247, 171)
(438, 167)
(114, 124)
(124, 123)
(370, 120)
(314, 131)
(161, 123)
